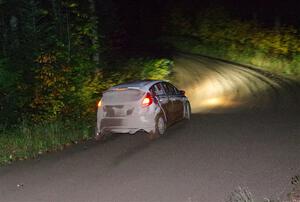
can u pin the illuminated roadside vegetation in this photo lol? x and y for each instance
(217, 34)
(28, 141)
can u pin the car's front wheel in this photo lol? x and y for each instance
(187, 111)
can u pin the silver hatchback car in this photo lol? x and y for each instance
(145, 105)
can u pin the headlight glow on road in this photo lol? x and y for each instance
(210, 94)
(215, 86)
(212, 102)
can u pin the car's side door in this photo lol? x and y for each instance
(170, 92)
(177, 101)
(161, 98)
(171, 112)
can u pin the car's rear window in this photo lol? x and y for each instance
(122, 95)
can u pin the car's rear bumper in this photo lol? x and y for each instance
(140, 119)
(125, 130)
(126, 125)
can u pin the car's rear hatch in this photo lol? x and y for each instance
(121, 102)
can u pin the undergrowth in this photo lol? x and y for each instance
(27, 140)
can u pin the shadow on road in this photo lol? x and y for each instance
(143, 144)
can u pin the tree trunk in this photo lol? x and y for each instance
(95, 41)
(69, 36)
(14, 25)
(56, 9)
(4, 36)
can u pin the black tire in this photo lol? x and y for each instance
(187, 111)
(160, 128)
(99, 136)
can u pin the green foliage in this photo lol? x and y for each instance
(158, 69)
(51, 86)
(60, 95)
(8, 79)
(28, 141)
(52, 68)
(50, 59)
(137, 69)
(10, 88)
(215, 33)
(294, 66)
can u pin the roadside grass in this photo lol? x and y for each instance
(217, 33)
(242, 194)
(26, 140)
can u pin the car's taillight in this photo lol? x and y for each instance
(99, 103)
(147, 101)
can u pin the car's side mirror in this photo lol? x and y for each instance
(182, 92)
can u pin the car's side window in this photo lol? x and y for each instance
(157, 89)
(167, 90)
(152, 90)
(177, 92)
(171, 89)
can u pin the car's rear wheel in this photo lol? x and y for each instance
(99, 136)
(160, 128)
(187, 111)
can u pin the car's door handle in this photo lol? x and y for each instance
(163, 99)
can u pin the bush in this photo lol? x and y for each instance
(27, 140)
(217, 34)
(157, 69)
(12, 98)
(142, 68)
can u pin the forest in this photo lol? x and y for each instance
(58, 56)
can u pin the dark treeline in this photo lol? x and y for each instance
(268, 12)
(48, 49)
(55, 55)
(120, 24)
